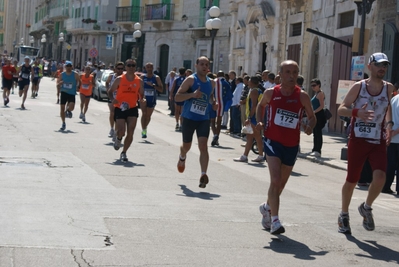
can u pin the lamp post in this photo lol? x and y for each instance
(213, 25)
(31, 40)
(21, 41)
(61, 40)
(363, 8)
(43, 41)
(136, 35)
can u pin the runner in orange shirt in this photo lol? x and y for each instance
(85, 91)
(129, 89)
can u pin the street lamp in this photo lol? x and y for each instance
(213, 25)
(22, 41)
(363, 8)
(137, 35)
(61, 40)
(43, 41)
(31, 40)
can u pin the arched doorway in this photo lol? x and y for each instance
(164, 61)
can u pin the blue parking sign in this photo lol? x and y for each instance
(109, 41)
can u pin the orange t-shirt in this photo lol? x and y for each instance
(7, 69)
(86, 86)
(128, 93)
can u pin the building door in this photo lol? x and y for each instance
(341, 71)
(389, 41)
(164, 61)
(294, 52)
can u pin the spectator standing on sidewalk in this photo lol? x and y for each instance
(235, 106)
(286, 103)
(318, 108)
(393, 150)
(368, 103)
(243, 99)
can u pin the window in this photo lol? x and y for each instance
(88, 12)
(346, 19)
(296, 29)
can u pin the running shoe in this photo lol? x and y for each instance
(144, 134)
(123, 157)
(259, 159)
(343, 224)
(267, 218)
(368, 221)
(63, 126)
(68, 114)
(81, 115)
(215, 141)
(276, 228)
(12, 92)
(117, 144)
(23, 107)
(177, 127)
(36, 94)
(84, 118)
(243, 158)
(181, 165)
(111, 132)
(204, 180)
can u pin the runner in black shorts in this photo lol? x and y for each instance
(25, 75)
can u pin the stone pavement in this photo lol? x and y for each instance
(332, 143)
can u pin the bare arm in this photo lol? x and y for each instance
(320, 97)
(182, 94)
(114, 86)
(260, 108)
(158, 84)
(305, 100)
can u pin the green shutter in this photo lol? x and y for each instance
(168, 8)
(216, 3)
(135, 16)
(96, 13)
(88, 12)
(201, 22)
(36, 17)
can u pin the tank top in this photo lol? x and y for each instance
(371, 131)
(149, 91)
(114, 76)
(25, 72)
(17, 68)
(284, 117)
(86, 87)
(36, 71)
(249, 101)
(315, 101)
(69, 83)
(128, 93)
(197, 109)
(179, 81)
(41, 68)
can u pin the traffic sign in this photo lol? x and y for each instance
(93, 52)
(68, 47)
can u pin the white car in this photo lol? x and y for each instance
(100, 90)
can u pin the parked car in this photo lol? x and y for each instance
(100, 91)
(46, 68)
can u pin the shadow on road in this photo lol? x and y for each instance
(374, 250)
(65, 131)
(223, 147)
(286, 245)
(203, 195)
(127, 164)
(297, 174)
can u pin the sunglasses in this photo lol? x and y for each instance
(119, 68)
(131, 65)
(313, 85)
(381, 64)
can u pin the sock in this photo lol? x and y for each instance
(120, 139)
(344, 214)
(181, 158)
(367, 207)
(203, 173)
(275, 218)
(267, 207)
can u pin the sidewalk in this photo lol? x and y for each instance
(332, 143)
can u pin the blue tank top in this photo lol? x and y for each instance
(179, 81)
(315, 102)
(197, 109)
(36, 70)
(69, 83)
(149, 91)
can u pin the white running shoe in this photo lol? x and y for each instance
(243, 158)
(259, 159)
(81, 115)
(111, 133)
(277, 228)
(267, 218)
(117, 144)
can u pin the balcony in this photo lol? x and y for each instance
(159, 12)
(59, 13)
(93, 27)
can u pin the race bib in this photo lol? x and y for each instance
(366, 130)
(285, 118)
(85, 86)
(25, 76)
(124, 106)
(67, 86)
(149, 92)
(198, 107)
(36, 75)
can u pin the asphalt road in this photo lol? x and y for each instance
(67, 200)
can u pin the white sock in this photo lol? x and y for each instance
(275, 218)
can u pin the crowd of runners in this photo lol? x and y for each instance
(200, 100)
